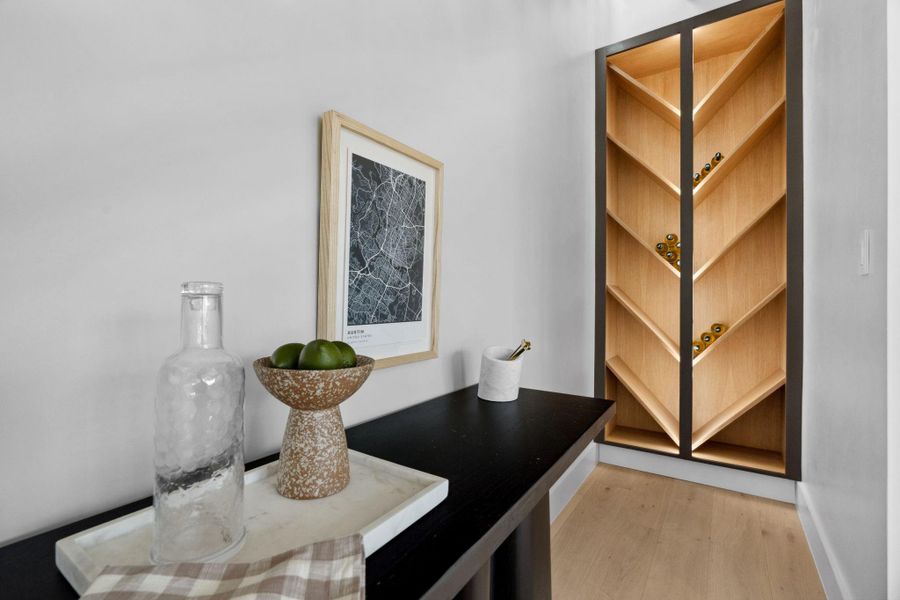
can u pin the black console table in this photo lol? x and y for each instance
(489, 539)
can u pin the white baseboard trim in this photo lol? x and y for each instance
(819, 546)
(565, 487)
(745, 482)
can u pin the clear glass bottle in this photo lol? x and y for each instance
(198, 496)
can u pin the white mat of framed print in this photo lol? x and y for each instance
(379, 244)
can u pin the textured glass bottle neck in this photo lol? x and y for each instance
(201, 321)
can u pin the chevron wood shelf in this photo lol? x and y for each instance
(738, 408)
(645, 95)
(726, 248)
(635, 310)
(736, 326)
(739, 71)
(624, 227)
(654, 174)
(743, 148)
(741, 225)
(645, 397)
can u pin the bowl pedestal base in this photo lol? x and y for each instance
(314, 461)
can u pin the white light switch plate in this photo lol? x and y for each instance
(865, 242)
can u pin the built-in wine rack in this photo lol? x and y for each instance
(727, 210)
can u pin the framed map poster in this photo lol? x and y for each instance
(379, 244)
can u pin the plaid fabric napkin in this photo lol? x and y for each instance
(333, 570)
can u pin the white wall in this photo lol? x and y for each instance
(569, 482)
(146, 143)
(845, 370)
(893, 316)
(626, 18)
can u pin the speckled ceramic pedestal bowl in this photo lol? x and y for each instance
(314, 461)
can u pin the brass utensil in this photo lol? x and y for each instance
(523, 347)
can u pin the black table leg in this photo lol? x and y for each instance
(521, 565)
(479, 587)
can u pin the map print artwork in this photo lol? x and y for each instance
(387, 245)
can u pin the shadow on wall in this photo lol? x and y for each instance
(458, 368)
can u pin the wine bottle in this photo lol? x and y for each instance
(707, 337)
(718, 329)
(716, 159)
(671, 238)
(671, 256)
(706, 169)
(697, 179)
(698, 346)
(662, 247)
(677, 263)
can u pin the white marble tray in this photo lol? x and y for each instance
(381, 500)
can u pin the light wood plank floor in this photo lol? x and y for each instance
(632, 535)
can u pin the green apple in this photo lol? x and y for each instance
(320, 355)
(287, 356)
(348, 354)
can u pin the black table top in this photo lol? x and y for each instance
(500, 459)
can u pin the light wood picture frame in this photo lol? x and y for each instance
(379, 265)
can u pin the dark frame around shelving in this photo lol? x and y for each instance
(793, 396)
(686, 310)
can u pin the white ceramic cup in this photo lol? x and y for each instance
(499, 380)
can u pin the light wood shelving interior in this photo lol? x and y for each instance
(754, 440)
(717, 45)
(626, 154)
(754, 352)
(648, 97)
(740, 241)
(723, 239)
(619, 222)
(643, 205)
(739, 150)
(747, 274)
(736, 326)
(645, 397)
(742, 456)
(739, 407)
(628, 304)
(655, 65)
(637, 358)
(632, 425)
(739, 253)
